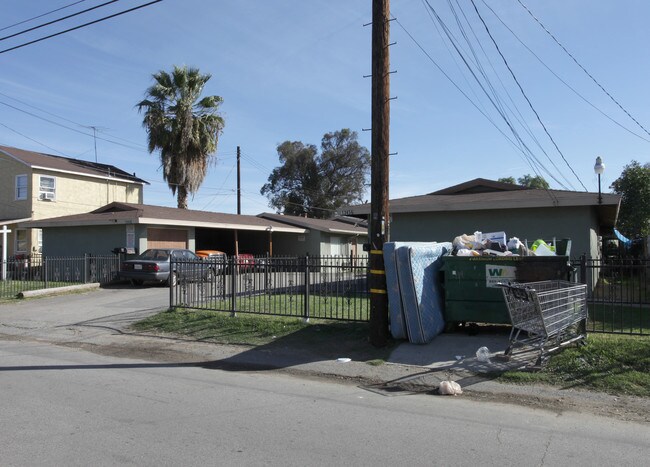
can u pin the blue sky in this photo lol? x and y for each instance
(290, 70)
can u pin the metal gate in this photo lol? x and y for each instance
(618, 294)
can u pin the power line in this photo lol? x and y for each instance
(603, 113)
(25, 31)
(70, 128)
(493, 96)
(221, 187)
(80, 26)
(32, 139)
(142, 146)
(514, 77)
(529, 156)
(40, 16)
(582, 68)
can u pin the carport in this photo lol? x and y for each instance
(137, 227)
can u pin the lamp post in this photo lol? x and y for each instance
(599, 168)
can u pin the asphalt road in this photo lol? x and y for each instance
(65, 406)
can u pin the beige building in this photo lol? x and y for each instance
(37, 186)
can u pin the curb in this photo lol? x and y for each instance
(58, 290)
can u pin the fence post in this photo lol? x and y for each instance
(85, 268)
(583, 269)
(233, 277)
(307, 280)
(267, 265)
(45, 269)
(171, 286)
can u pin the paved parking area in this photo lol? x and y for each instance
(61, 311)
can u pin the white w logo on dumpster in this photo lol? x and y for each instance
(497, 273)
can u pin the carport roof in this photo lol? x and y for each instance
(323, 225)
(128, 213)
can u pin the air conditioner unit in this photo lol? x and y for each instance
(47, 196)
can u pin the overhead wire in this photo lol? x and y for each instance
(530, 104)
(493, 97)
(32, 139)
(143, 146)
(460, 90)
(583, 68)
(41, 15)
(529, 156)
(49, 23)
(70, 128)
(80, 26)
(500, 104)
(514, 110)
(222, 185)
(583, 98)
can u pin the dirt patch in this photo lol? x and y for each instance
(622, 408)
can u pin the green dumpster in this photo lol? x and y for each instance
(471, 293)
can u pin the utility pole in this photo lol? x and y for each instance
(238, 197)
(379, 220)
(238, 180)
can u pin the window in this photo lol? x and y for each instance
(21, 187)
(21, 241)
(47, 188)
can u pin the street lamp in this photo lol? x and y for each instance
(599, 168)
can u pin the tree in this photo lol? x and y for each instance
(634, 187)
(316, 185)
(183, 126)
(528, 181)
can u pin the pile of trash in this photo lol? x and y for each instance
(495, 244)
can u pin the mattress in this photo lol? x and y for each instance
(422, 300)
(395, 309)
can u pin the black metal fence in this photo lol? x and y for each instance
(326, 287)
(618, 294)
(20, 274)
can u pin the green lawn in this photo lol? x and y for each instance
(608, 363)
(324, 338)
(11, 288)
(612, 317)
(320, 307)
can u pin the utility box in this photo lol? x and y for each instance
(471, 293)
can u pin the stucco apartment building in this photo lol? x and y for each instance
(37, 186)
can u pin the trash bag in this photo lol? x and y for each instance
(449, 388)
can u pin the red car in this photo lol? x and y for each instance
(245, 262)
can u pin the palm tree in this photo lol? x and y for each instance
(183, 126)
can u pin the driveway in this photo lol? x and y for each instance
(116, 305)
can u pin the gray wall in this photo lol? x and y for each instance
(576, 223)
(289, 244)
(75, 241)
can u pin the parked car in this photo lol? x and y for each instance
(155, 265)
(245, 262)
(216, 258)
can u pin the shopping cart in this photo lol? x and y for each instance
(552, 314)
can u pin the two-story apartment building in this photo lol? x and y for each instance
(37, 186)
